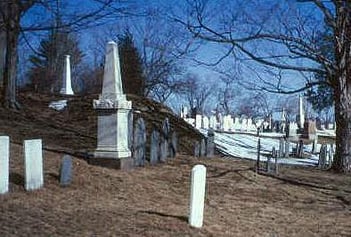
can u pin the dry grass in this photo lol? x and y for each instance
(153, 200)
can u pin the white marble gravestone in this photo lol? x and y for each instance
(33, 159)
(198, 121)
(205, 122)
(66, 83)
(213, 122)
(112, 108)
(197, 195)
(4, 163)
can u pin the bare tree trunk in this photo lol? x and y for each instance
(12, 26)
(342, 34)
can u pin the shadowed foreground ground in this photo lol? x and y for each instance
(153, 201)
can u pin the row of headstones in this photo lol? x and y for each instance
(227, 123)
(326, 156)
(33, 165)
(163, 144)
(206, 147)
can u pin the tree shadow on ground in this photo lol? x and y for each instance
(182, 218)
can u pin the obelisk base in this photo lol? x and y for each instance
(112, 163)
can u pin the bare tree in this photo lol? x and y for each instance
(197, 92)
(283, 36)
(11, 13)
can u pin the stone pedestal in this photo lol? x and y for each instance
(121, 164)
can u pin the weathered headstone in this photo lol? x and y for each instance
(197, 149)
(203, 148)
(287, 149)
(197, 196)
(268, 164)
(139, 142)
(66, 170)
(33, 159)
(173, 144)
(164, 153)
(210, 146)
(4, 163)
(322, 157)
(66, 84)
(154, 147)
(113, 109)
(299, 149)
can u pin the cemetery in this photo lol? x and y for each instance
(175, 118)
(122, 165)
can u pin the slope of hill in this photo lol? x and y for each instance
(154, 200)
(73, 130)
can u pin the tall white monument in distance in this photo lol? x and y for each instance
(113, 109)
(301, 112)
(66, 83)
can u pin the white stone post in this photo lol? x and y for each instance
(197, 195)
(66, 84)
(301, 112)
(198, 120)
(4, 163)
(33, 159)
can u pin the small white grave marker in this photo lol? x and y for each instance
(33, 159)
(197, 195)
(4, 164)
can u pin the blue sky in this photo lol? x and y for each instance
(208, 52)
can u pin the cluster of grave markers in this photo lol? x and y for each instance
(33, 164)
(163, 144)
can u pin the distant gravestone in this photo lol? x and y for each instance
(197, 195)
(213, 122)
(210, 146)
(205, 122)
(198, 121)
(4, 163)
(203, 148)
(197, 149)
(322, 157)
(33, 159)
(154, 147)
(139, 142)
(299, 149)
(66, 171)
(164, 140)
(287, 149)
(173, 145)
